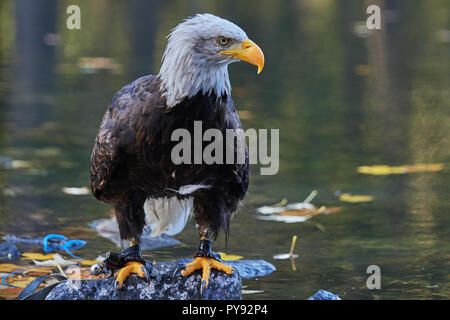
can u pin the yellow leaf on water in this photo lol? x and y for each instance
(37, 256)
(39, 271)
(385, 170)
(89, 262)
(21, 164)
(225, 256)
(347, 197)
(57, 260)
(8, 267)
(10, 293)
(81, 273)
(425, 167)
(313, 211)
(21, 283)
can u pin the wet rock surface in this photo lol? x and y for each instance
(9, 251)
(108, 229)
(164, 285)
(324, 295)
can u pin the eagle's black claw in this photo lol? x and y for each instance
(178, 269)
(147, 275)
(202, 287)
(109, 272)
(236, 270)
(116, 288)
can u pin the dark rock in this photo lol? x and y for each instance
(24, 240)
(324, 295)
(252, 268)
(9, 251)
(108, 229)
(164, 285)
(152, 243)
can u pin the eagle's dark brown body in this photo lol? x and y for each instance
(131, 158)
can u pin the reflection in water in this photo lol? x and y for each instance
(341, 96)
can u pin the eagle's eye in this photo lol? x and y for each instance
(223, 41)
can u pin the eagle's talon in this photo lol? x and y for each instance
(129, 268)
(206, 264)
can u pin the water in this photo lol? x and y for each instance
(342, 98)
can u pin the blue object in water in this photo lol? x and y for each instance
(55, 242)
(50, 243)
(324, 295)
(24, 240)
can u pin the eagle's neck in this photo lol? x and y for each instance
(184, 76)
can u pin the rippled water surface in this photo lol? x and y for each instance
(341, 96)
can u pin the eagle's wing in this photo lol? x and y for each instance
(240, 170)
(117, 139)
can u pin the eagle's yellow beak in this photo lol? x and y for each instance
(247, 51)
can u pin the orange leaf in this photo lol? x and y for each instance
(10, 293)
(37, 256)
(8, 267)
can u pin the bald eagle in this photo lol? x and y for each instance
(131, 166)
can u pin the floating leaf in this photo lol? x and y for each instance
(291, 254)
(282, 203)
(244, 291)
(76, 191)
(10, 293)
(57, 260)
(299, 206)
(386, 170)
(37, 256)
(37, 272)
(286, 219)
(20, 164)
(314, 211)
(92, 262)
(225, 256)
(284, 256)
(291, 213)
(8, 267)
(20, 282)
(269, 210)
(81, 273)
(274, 208)
(301, 215)
(346, 197)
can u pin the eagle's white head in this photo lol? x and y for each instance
(197, 56)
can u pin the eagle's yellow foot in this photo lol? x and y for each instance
(129, 268)
(206, 264)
